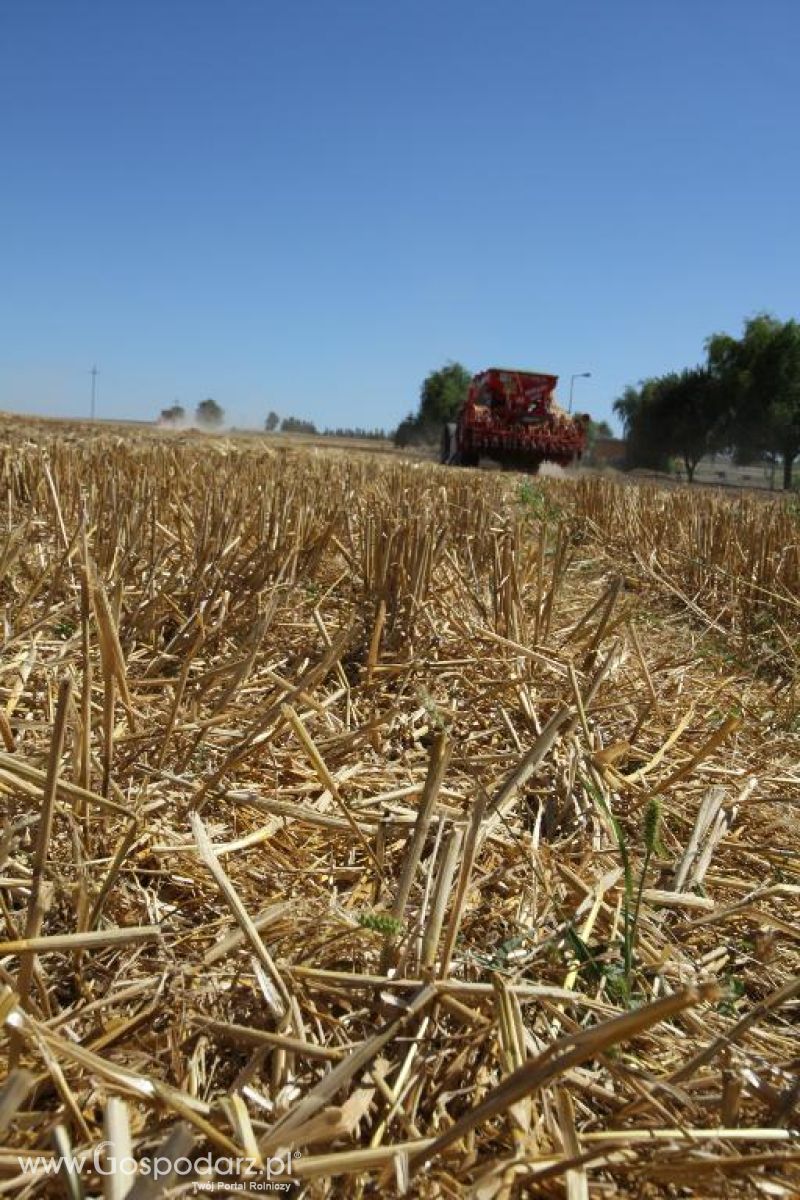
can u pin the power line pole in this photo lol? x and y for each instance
(93, 374)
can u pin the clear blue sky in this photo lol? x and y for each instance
(309, 205)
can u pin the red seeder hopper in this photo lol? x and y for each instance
(513, 418)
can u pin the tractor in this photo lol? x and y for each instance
(512, 417)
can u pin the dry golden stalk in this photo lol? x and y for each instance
(609, 602)
(27, 947)
(576, 1179)
(507, 793)
(240, 913)
(325, 777)
(118, 1148)
(728, 726)
(175, 1147)
(13, 1093)
(637, 645)
(16, 767)
(343, 1072)
(7, 733)
(244, 1035)
(437, 767)
(111, 655)
(90, 939)
(574, 1050)
(441, 899)
(121, 853)
(464, 878)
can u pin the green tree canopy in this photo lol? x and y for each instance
(746, 398)
(693, 415)
(209, 413)
(272, 422)
(640, 415)
(683, 413)
(760, 372)
(441, 394)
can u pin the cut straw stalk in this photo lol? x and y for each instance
(118, 1149)
(14, 1092)
(245, 1035)
(90, 940)
(507, 793)
(441, 898)
(15, 769)
(175, 1147)
(327, 780)
(728, 726)
(121, 853)
(354, 1162)
(464, 878)
(112, 658)
(564, 1055)
(121, 1078)
(343, 1072)
(7, 733)
(281, 1003)
(273, 714)
(437, 766)
(720, 1044)
(35, 912)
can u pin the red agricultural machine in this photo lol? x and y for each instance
(513, 418)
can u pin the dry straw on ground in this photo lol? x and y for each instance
(436, 828)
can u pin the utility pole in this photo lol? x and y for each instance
(93, 374)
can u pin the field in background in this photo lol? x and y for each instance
(436, 827)
(718, 473)
(14, 427)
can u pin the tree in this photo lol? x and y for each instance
(406, 431)
(693, 414)
(272, 422)
(761, 374)
(595, 430)
(683, 413)
(209, 413)
(441, 395)
(642, 423)
(627, 407)
(173, 415)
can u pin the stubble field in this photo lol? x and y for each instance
(397, 829)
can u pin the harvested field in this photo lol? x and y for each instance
(432, 832)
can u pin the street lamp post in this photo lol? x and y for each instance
(579, 375)
(94, 373)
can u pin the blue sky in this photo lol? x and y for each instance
(307, 206)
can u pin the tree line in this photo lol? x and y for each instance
(211, 415)
(298, 425)
(745, 398)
